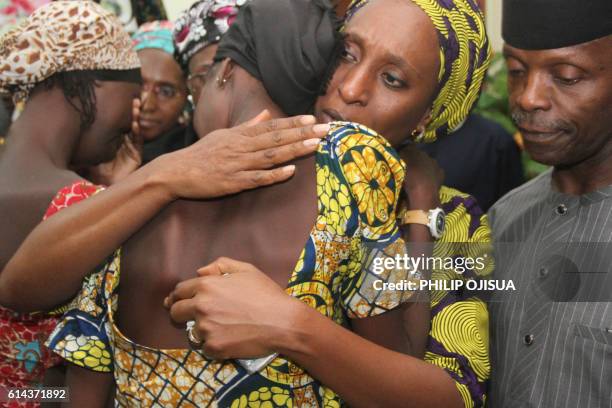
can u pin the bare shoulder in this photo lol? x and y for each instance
(23, 203)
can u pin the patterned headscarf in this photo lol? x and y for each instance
(156, 34)
(465, 55)
(64, 36)
(203, 24)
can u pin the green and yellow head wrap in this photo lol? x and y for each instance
(465, 55)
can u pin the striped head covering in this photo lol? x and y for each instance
(156, 34)
(65, 36)
(465, 55)
(202, 25)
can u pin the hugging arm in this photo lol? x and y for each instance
(362, 372)
(73, 242)
(374, 366)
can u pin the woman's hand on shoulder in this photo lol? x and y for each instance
(228, 161)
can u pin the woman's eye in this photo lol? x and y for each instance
(393, 81)
(567, 81)
(347, 56)
(167, 91)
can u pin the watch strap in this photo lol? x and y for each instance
(415, 217)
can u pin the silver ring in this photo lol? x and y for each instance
(192, 336)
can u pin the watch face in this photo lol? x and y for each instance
(440, 222)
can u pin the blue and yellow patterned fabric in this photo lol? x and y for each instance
(359, 178)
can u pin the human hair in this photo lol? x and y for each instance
(79, 90)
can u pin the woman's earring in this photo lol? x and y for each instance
(185, 117)
(417, 134)
(221, 81)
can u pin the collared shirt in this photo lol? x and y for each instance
(551, 339)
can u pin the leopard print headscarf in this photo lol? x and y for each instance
(63, 36)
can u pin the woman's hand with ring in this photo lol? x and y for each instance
(238, 311)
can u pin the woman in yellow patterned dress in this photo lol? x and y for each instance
(400, 98)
